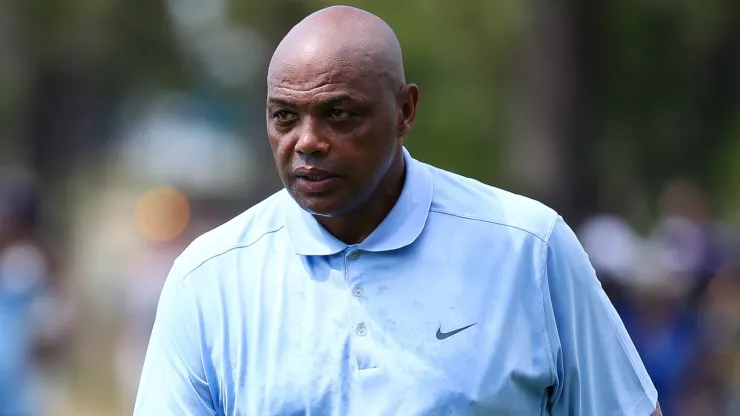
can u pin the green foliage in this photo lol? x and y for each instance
(664, 90)
(120, 39)
(725, 176)
(660, 77)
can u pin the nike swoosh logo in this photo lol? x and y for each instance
(444, 335)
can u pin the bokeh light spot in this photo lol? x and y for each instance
(162, 214)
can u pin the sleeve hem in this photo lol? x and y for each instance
(644, 407)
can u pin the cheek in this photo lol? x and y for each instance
(281, 148)
(274, 137)
(378, 146)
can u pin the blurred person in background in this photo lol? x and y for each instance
(662, 296)
(720, 368)
(666, 333)
(690, 245)
(614, 248)
(31, 316)
(686, 250)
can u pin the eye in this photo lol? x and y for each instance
(337, 113)
(283, 115)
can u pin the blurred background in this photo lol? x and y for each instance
(128, 127)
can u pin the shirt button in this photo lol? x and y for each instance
(358, 291)
(354, 255)
(361, 329)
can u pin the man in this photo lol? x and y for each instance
(31, 324)
(375, 284)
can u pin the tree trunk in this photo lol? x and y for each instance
(556, 118)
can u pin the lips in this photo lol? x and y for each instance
(313, 180)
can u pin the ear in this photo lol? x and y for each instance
(408, 98)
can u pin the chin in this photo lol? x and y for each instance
(324, 206)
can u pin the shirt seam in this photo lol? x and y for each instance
(241, 246)
(541, 295)
(468, 217)
(634, 408)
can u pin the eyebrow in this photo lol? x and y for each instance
(325, 103)
(278, 101)
(338, 99)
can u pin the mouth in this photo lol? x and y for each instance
(312, 180)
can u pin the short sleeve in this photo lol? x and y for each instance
(597, 368)
(173, 380)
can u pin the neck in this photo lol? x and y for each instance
(354, 227)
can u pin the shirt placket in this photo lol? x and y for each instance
(361, 327)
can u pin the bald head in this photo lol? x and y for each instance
(338, 108)
(351, 40)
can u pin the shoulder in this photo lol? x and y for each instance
(470, 200)
(258, 222)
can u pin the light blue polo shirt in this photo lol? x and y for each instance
(466, 300)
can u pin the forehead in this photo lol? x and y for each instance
(307, 76)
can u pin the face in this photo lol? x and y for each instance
(335, 135)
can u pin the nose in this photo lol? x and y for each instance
(310, 140)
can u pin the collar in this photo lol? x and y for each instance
(401, 226)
